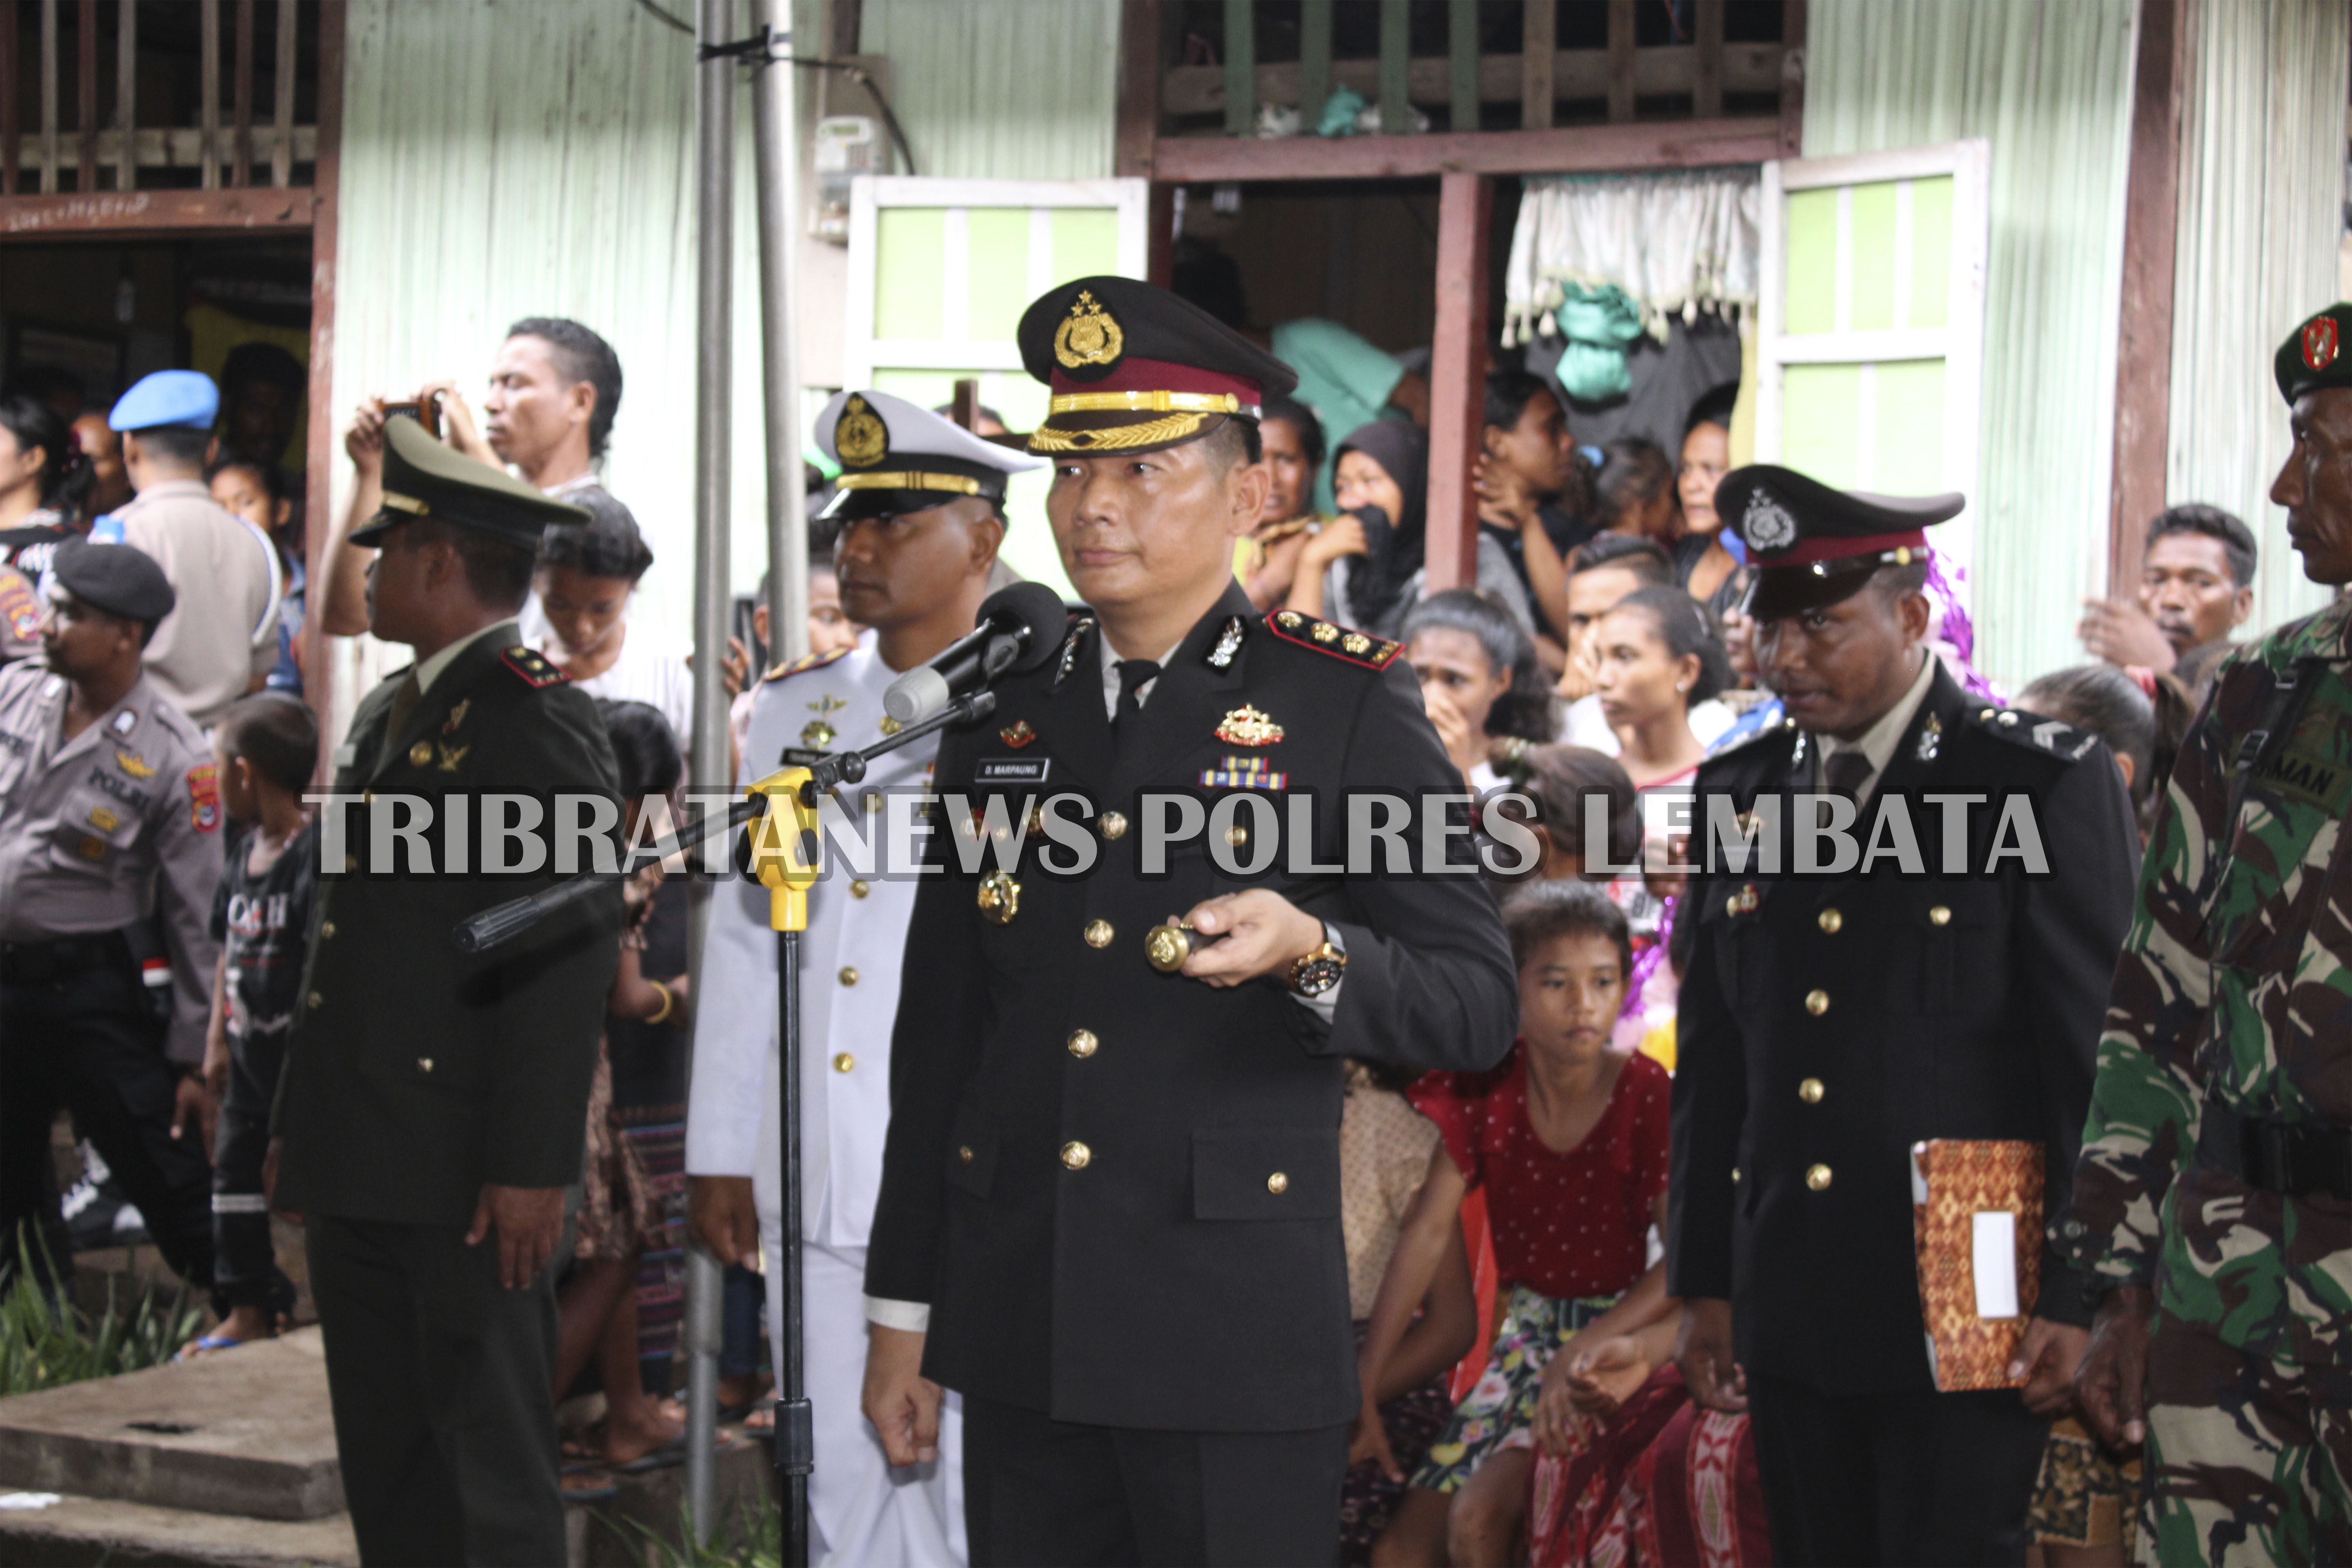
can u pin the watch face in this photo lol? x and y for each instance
(1314, 976)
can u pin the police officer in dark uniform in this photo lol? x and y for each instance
(1110, 1203)
(1826, 1026)
(432, 1107)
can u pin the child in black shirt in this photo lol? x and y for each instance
(266, 748)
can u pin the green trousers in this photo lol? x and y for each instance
(441, 1384)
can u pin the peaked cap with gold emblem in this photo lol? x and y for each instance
(1815, 546)
(1133, 368)
(422, 478)
(897, 457)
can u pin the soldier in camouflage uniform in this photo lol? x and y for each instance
(2214, 1195)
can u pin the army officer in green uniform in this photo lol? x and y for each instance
(431, 1109)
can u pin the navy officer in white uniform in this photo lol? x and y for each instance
(921, 507)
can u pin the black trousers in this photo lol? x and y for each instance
(245, 1258)
(87, 1041)
(441, 1380)
(1889, 1480)
(1042, 1493)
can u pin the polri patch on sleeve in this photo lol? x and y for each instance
(535, 667)
(18, 605)
(204, 797)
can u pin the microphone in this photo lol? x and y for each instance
(1019, 628)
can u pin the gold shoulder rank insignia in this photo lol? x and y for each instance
(1353, 647)
(134, 764)
(1245, 726)
(805, 662)
(535, 667)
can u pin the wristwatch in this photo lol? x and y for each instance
(1319, 970)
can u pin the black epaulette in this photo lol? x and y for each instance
(1779, 730)
(1353, 647)
(2067, 742)
(535, 667)
(806, 661)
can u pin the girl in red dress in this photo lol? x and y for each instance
(1568, 1137)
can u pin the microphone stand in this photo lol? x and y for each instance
(782, 811)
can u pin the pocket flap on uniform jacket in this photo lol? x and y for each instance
(1277, 1173)
(971, 1152)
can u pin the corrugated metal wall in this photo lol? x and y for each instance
(2262, 195)
(2049, 83)
(1001, 89)
(505, 158)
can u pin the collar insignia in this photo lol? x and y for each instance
(1228, 644)
(1766, 525)
(456, 717)
(124, 722)
(859, 437)
(1091, 335)
(1245, 726)
(1078, 630)
(1931, 739)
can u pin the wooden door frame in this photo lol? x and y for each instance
(1465, 164)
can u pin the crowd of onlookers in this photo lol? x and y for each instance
(1490, 1219)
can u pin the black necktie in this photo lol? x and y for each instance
(1844, 772)
(1133, 674)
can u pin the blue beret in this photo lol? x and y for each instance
(185, 397)
(120, 579)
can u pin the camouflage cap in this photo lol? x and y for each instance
(2313, 356)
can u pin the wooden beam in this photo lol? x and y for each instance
(86, 92)
(1620, 60)
(320, 447)
(1660, 71)
(1539, 49)
(1706, 82)
(1792, 78)
(1396, 68)
(126, 95)
(1569, 150)
(281, 110)
(182, 212)
(208, 89)
(1314, 62)
(1462, 66)
(2143, 340)
(242, 96)
(49, 97)
(1138, 88)
(11, 101)
(1240, 67)
(1457, 378)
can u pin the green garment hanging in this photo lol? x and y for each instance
(1598, 324)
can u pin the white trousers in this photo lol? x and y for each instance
(864, 1513)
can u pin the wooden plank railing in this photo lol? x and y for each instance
(228, 144)
(1539, 78)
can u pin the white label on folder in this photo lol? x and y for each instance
(1996, 1263)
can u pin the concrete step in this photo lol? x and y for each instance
(77, 1532)
(246, 1433)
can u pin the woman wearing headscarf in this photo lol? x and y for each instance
(1368, 566)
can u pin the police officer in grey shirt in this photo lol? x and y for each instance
(109, 849)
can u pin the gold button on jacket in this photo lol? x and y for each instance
(1083, 1042)
(849, 974)
(1817, 1003)
(1098, 933)
(1830, 921)
(1818, 1178)
(1114, 824)
(1075, 1154)
(1810, 1091)
(843, 1062)
(1277, 1183)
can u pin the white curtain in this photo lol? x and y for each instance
(1674, 243)
(2049, 83)
(2262, 216)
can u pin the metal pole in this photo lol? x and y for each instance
(714, 373)
(795, 1434)
(776, 128)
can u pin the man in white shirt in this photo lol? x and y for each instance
(920, 526)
